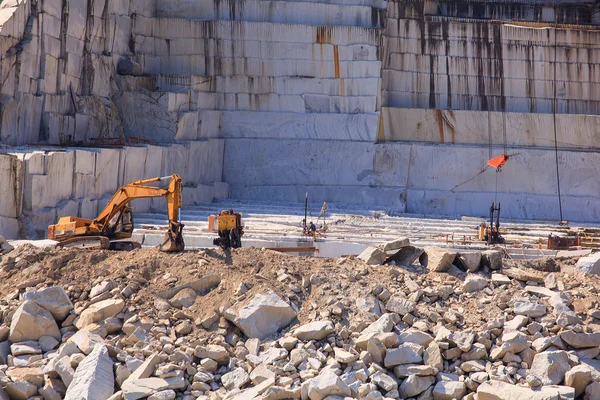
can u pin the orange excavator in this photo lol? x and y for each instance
(115, 222)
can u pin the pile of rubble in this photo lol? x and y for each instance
(261, 325)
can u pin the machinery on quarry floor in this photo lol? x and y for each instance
(115, 222)
(491, 234)
(229, 228)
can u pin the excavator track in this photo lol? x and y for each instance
(86, 242)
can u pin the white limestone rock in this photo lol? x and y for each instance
(531, 310)
(449, 390)
(53, 299)
(590, 264)
(20, 390)
(99, 312)
(394, 244)
(262, 315)
(550, 367)
(31, 322)
(470, 261)
(316, 330)
(94, 378)
(327, 384)
(415, 385)
(439, 260)
(474, 283)
(235, 379)
(580, 340)
(400, 305)
(373, 255)
(404, 354)
(497, 390)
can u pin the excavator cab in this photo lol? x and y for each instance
(121, 225)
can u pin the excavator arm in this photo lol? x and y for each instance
(72, 228)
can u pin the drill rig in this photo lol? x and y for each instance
(115, 222)
(230, 229)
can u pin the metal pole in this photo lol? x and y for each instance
(305, 211)
(554, 117)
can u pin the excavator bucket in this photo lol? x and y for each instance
(173, 239)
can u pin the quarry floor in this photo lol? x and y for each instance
(349, 229)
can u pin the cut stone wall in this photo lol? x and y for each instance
(448, 180)
(79, 182)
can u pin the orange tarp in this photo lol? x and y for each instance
(498, 162)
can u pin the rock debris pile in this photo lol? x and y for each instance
(254, 324)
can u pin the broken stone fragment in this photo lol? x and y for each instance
(550, 367)
(394, 244)
(470, 261)
(474, 283)
(53, 299)
(581, 340)
(449, 390)
(400, 305)
(185, 298)
(492, 259)
(316, 330)
(20, 390)
(590, 264)
(31, 322)
(497, 390)
(262, 315)
(99, 311)
(528, 309)
(327, 383)
(404, 354)
(438, 259)
(415, 385)
(235, 379)
(373, 256)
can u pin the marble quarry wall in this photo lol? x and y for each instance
(370, 102)
(50, 184)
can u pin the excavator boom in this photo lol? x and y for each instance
(115, 220)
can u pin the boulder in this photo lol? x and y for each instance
(141, 388)
(404, 354)
(99, 312)
(20, 390)
(581, 340)
(449, 390)
(415, 385)
(163, 395)
(86, 340)
(406, 256)
(474, 283)
(414, 336)
(214, 352)
(31, 322)
(497, 390)
(384, 381)
(433, 356)
(462, 340)
(592, 392)
(400, 305)
(531, 310)
(35, 376)
(373, 256)
(578, 377)
(185, 298)
(343, 356)
(53, 299)
(368, 304)
(492, 259)
(94, 378)
(385, 323)
(590, 264)
(394, 244)
(550, 367)
(437, 259)
(235, 379)
(262, 315)
(470, 261)
(327, 383)
(316, 330)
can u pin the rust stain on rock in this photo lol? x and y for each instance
(440, 121)
(336, 61)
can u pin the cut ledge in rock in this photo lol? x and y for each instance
(262, 315)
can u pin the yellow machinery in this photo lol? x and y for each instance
(115, 222)
(229, 227)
